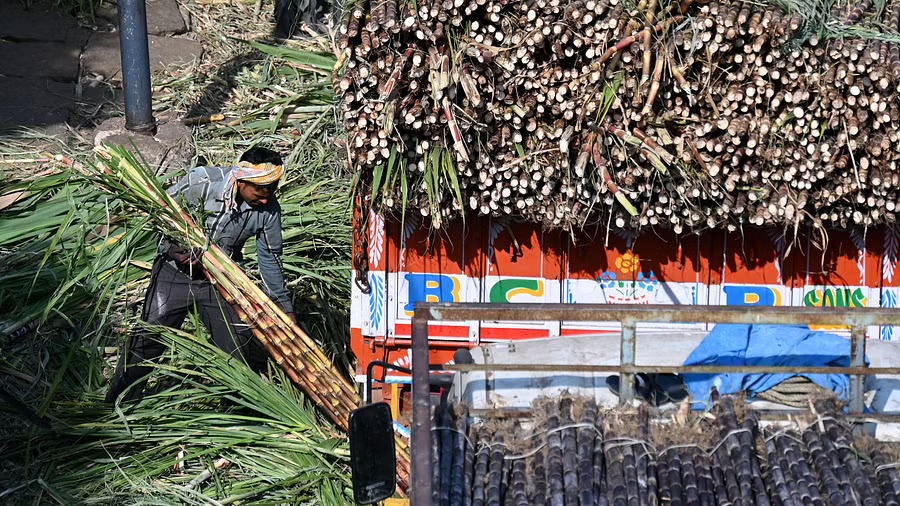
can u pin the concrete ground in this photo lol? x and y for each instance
(54, 67)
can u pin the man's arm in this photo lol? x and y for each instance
(268, 250)
(191, 189)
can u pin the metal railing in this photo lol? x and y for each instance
(628, 315)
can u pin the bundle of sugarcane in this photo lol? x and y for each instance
(737, 471)
(672, 113)
(830, 447)
(629, 459)
(288, 345)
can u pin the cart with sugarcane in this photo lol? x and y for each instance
(541, 429)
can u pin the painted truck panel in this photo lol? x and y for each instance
(501, 260)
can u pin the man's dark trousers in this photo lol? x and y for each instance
(171, 295)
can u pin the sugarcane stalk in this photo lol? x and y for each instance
(569, 451)
(586, 437)
(518, 484)
(598, 475)
(827, 478)
(493, 493)
(468, 458)
(436, 448)
(539, 472)
(615, 471)
(479, 478)
(675, 478)
(457, 473)
(555, 467)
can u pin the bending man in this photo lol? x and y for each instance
(239, 203)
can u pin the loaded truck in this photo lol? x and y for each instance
(529, 174)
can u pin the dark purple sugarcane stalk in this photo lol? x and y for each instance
(837, 467)
(894, 476)
(705, 484)
(652, 481)
(642, 453)
(629, 464)
(894, 24)
(885, 481)
(446, 451)
(730, 475)
(748, 439)
(539, 472)
(468, 460)
(789, 462)
(676, 485)
(436, 432)
(586, 437)
(806, 472)
(493, 495)
(732, 443)
(827, 480)
(457, 474)
(662, 477)
(479, 478)
(777, 475)
(718, 476)
(868, 469)
(689, 478)
(517, 484)
(615, 472)
(570, 452)
(643, 460)
(861, 484)
(858, 11)
(599, 468)
(555, 459)
(505, 478)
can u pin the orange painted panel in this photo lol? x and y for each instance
(593, 251)
(516, 249)
(671, 258)
(838, 264)
(436, 251)
(475, 246)
(753, 257)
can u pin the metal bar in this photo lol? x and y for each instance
(765, 414)
(626, 378)
(446, 311)
(420, 439)
(371, 367)
(135, 66)
(675, 369)
(857, 359)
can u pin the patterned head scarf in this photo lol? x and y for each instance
(258, 173)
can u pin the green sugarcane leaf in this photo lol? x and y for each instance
(623, 200)
(391, 178)
(454, 183)
(50, 249)
(655, 160)
(404, 195)
(376, 180)
(321, 61)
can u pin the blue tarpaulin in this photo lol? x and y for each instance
(761, 345)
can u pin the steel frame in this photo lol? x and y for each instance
(628, 315)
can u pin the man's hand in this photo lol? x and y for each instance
(185, 256)
(292, 317)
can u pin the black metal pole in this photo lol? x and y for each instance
(420, 442)
(136, 66)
